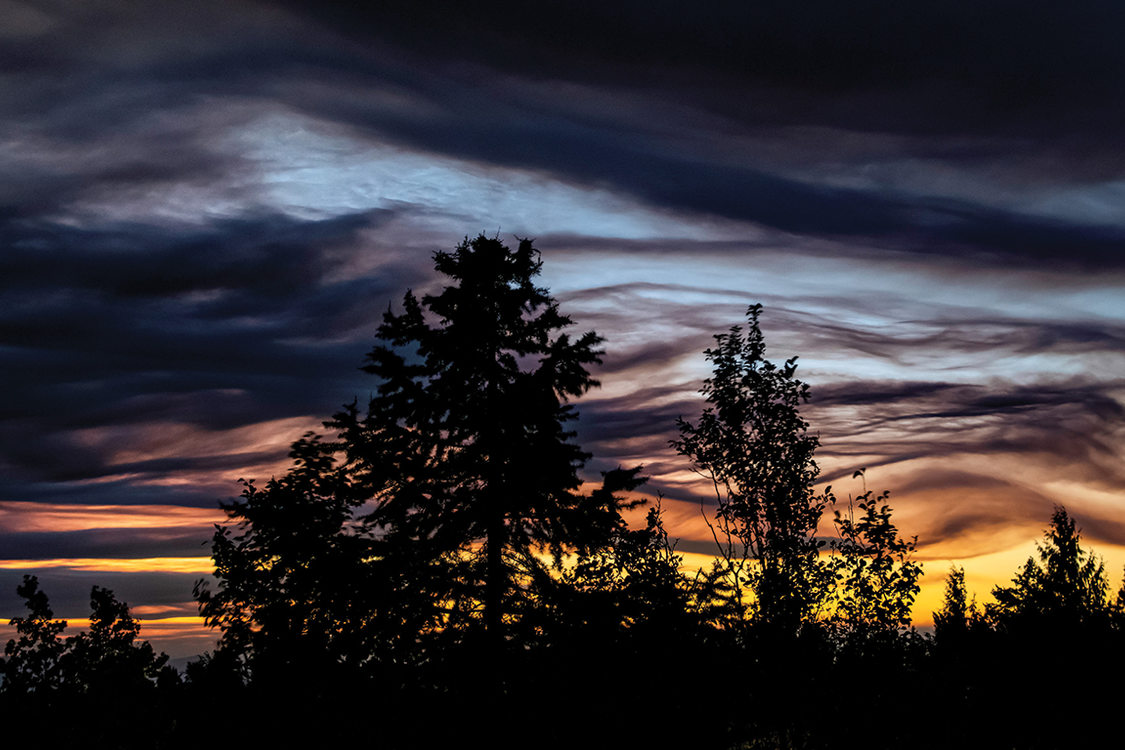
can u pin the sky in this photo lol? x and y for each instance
(205, 209)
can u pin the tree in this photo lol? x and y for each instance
(876, 577)
(1052, 630)
(465, 447)
(1066, 587)
(295, 580)
(958, 613)
(108, 658)
(628, 587)
(430, 511)
(754, 447)
(33, 662)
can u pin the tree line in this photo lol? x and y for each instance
(434, 570)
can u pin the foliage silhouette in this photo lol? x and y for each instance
(799, 618)
(876, 578)
(465, 448)
(103, 687)
(959, 614)
(1066, 587)
(295, 584)
(628, 588)
(1051, 629)
(754, 447)
(33, 662)
(107, 657)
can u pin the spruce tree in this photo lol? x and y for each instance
(440, 506)
(465, 448)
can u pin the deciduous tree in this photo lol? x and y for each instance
(33, 661)
(875, 574)
(753, 445)
(107, 659)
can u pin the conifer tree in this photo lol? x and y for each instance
(466, 446)
(1066, 586)
(958, 612)
(432, 511)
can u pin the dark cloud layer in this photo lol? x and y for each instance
(1006, 57)
(104, 543)
(663, 103)
(220, 327)
(1028, 80)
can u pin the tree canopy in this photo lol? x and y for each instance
(108, 657)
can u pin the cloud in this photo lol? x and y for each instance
(491, 93)
(124, 543)
(698, 112)
(233, 324)
(820, 48)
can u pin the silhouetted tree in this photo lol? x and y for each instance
(297, 587)
(443, 505)
(876, 577)
(1118, 607)
(102, 687)
(464, 448)
(958, 612)
(1050, 629)
(33, 662)
(627, 587)
(754, 447)
(108, 657)
(1065, 587)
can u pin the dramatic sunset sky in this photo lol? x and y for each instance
(205, 207)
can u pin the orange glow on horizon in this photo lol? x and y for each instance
(117, 565)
